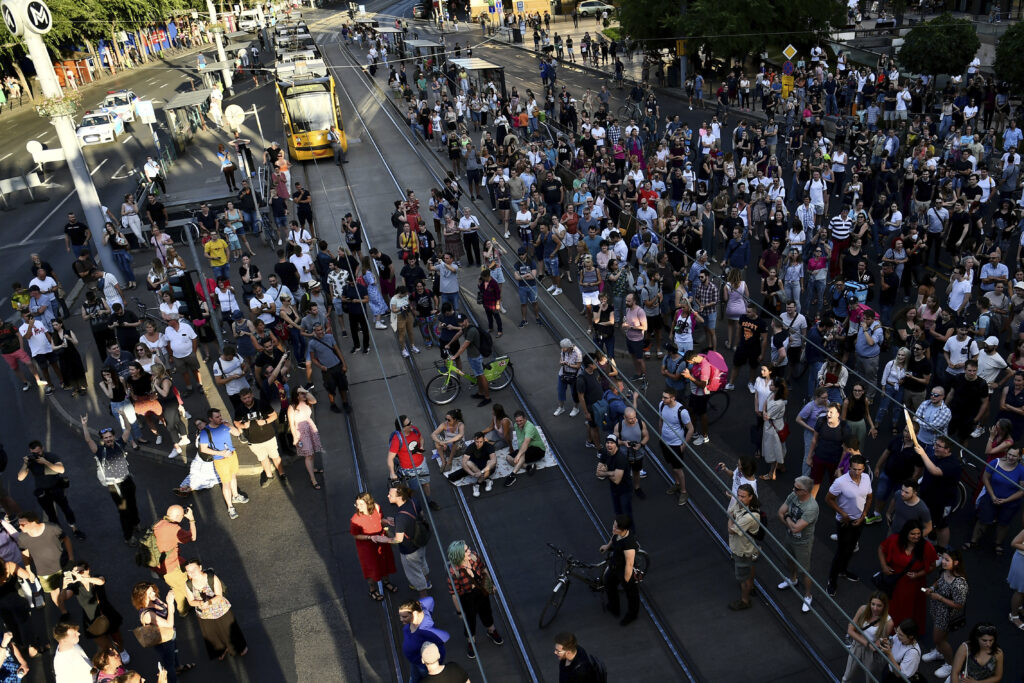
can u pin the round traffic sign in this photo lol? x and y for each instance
(787, 68)
(11, 19)
(39, 18)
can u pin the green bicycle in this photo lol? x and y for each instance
(446, 387)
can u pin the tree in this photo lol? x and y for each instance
(740, 28)
(944, 45)
(655, 22)
(1009, 66)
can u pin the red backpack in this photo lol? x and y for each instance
(720, 370)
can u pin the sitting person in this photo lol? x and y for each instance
(531, 448)
(479, 462)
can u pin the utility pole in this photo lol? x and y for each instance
(30, 20)
(218, 37)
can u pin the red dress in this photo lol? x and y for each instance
(907, 599)
(376, 559)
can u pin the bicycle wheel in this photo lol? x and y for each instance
(624, 113)
(554, 603)
(443, 389)
(718, 405)
(504, 379)
(961, 497)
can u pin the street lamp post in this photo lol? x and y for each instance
(30, 20)
(218, 37)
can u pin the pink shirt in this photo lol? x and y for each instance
(636, 317)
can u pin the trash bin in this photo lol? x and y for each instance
(517, 35)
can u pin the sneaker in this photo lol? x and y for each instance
(483, 402)
(433, 505)
(49, 389)
(558, 290)
(873, 519)
(507, 234)
(78, 533)
(698, 440)
(470, 652)
(944, 670)
(240, 498)
(683, 497)
(509, 480)
(551, 289)
(335, 408)
(806, 606)
(786, 583)
(232, 513)
(643, 474)
(932, 656)
(672, 490)
(476, 490)
(280, 242)
(707, 438)
(495, 637)
(558, 411)
(264, 480)
(25, 386)
(590, 445)
(574, 412)
(639, 493)
(831, 589)
(523, 323)
(380, 326)
(488, 485)
(730, 386)
(415, 349)
(538, 321)
(750, 387)
(530, 469)
(850, 576)
(647, 354)
(978, 431)
(405, 352)
(833, 537)
(282, 477)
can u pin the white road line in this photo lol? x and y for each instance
(164, 85)
(1, 159)
(56, 208)
(127, 139)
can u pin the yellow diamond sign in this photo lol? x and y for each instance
(790, 52)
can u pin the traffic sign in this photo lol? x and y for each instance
(11, 19)
(680, 48)
(520, 6)
(789, 52)
(39, 18)
(787, 68)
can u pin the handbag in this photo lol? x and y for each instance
(886, 582)
(149, 635)
(99, 626)
(783, 433)
(214, 608)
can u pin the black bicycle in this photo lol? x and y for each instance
(571, 568)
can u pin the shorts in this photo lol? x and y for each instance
(226, 468)
(741, 358)
(819, 467)
(335, 379)
(901, 114)
(51, 582)
(551, 265)
(637, 464)
(420, 472)
(743, 566)
(940, 512)
(189, 362)
(147, 405)
(476, 365)
(45, 358)
(474, 175)
(801, 552)
(672, 455)
(636, 348)
(591, 298)
(699, 404)
(264, 450)
(819, 209)
(711, 319)
(16, 357)
(527, 295)
(654, 322)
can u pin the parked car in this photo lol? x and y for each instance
(589, 8)
(420, 11)
(99, 126)
(122, 102)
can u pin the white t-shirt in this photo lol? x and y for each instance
(180, 340)
(959, 352)
(304, 264)
(72, 665)
(961, 289)
(298, 236)
(672, 431)
(255, 304)
(44, 285)
(990, 365)
(37, 343)
(225, 368)
(227, 300)
(851, 496)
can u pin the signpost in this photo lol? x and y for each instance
(787, 70)
(789, 52)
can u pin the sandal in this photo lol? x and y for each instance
(999, 551)
(767, 477)
(318, 471)
(185, 667)
(316, 485)
(1016, 621)
(389, 587)
(375, 595)
(967, 546)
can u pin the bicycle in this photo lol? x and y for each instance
(718, 405)
(144, 311)
(630, 111)
(968, 485)
(570, 567)
(266, 229)
(447, 386)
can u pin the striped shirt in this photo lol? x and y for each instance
(840, 227)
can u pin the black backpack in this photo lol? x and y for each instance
(421, 530)
(486, 342)
(762, 526)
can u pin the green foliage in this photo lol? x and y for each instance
(944, 45)
(740, 28)
(658, 22)
(1009, 66)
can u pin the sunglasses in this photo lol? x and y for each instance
(106, 430)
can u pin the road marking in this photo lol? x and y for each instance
(1, 159)
(130, 137)
(55, 209)
(164, 85)
(151, 81)
(39, 241)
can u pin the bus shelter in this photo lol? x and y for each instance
(212, 76)
(392, 37)
(429, 50)
(482, 74)
(185, 114)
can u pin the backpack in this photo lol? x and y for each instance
(486, 342)
(598, 671)
(762, 527)
(148, 555)
(721, 371)
(420, 531)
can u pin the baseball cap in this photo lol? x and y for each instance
(1018, 285)
(611, 437)
(521, 251)
(992, 341)
(459, 318)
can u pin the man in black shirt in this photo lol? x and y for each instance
(888, 292)
(76, 235)
(247, 205)
(623, 547)
(412, 272)
(303, 206)
(206, 218)
(613, 465)
(272, 154)
(258, 423)
(576, 665)
(751, 347)
(967, 399)
(478, 462)
(554, 194)
(48, 476)
(156, 212)
(287, 271)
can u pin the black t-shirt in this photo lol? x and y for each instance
(888, 296)
(552, 191)
(405, 523)
(43, 477)
(9, 341)
(273, 154)
(424, 303)
(589, 387)
(480, 456)
(156, 210)
(916, 369)
(288, 274)
(830, 440)
(902, 461)
(76, 232)
(619, 461)
(967, 396)
(941, 489)
(751, 332)
(301, 195)
(272, 359)
(260, 410)
(208, 221)
(620, 545)
(453, 673)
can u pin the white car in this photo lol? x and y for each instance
(99, 126)
(122, 102)
(589, 8)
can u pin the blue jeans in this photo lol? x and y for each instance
(606, 345)
(124, 263)
(451, 298)
(622, 503)
(890, 403)
(168, 653)
(221, 271)
(815, 294)
(77, 249)
(792, 290)
(812, 376)
(805, 469)
(563, 386)
(883, 490)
